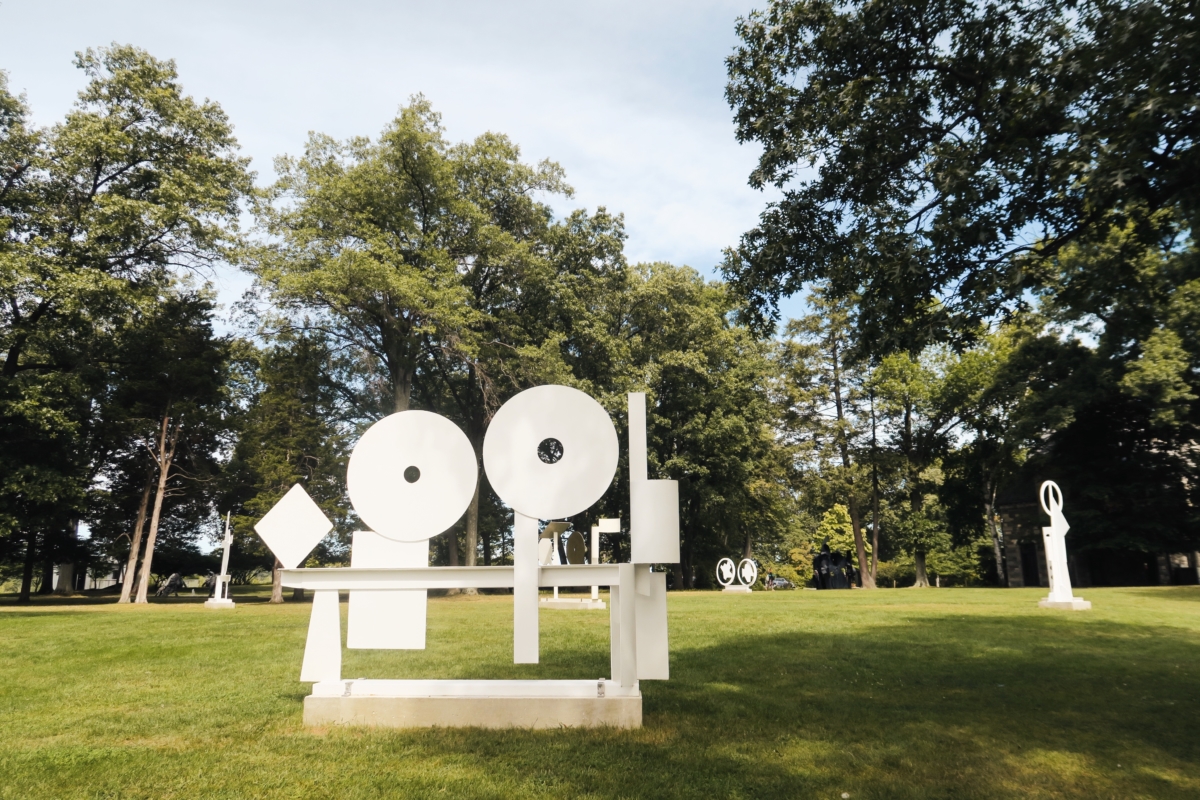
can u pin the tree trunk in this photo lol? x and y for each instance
(277, 583)
(135, 541)
(919, 566)
(27, 572)
(298, 595)
(875, 534)
(47, 584)
(865, 578)
(472, 544)
(990, 508)
(167, 440)
(874, 495)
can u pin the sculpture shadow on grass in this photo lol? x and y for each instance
(952, 706)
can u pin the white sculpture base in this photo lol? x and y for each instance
(473, 704)
(1074, 604)
(737, 588)
(572, 602)
(214, 602)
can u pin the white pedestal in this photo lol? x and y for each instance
(572, 602)
(1074, 604)
(737, 588)
(475, 704)
(221, 602)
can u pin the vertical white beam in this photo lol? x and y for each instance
(323, 650)
(595, 557)
(637, 437)
(614, 632)
(628, 628)
(525, 589)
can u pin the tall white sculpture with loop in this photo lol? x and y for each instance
(1055, 540)
(550, 452)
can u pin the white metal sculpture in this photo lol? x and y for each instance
(220, 598)
(746, 572)
(550, 452)
(1055, 540)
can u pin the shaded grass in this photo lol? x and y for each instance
(888, 694)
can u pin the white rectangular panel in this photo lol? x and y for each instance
(637, 437)
(654, 522)
(386, 620)
(653, 661)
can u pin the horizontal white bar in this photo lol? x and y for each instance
(379, 579)
(405, 688)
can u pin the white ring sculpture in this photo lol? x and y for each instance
(748, 571)
(726, 571)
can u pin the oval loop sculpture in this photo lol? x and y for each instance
(550, 452)
(1052, 500)
(748, 571)
(412, 475)
(725, 571)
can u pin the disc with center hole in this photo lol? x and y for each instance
(412, 475)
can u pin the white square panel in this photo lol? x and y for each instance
(293, 527)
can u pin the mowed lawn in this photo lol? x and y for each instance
(887, 694)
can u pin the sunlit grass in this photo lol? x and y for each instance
(895, 693)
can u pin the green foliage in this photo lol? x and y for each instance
(918, 144)
(835, 530)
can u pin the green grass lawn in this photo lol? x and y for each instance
(887, 694)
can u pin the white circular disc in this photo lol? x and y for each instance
(412, 511)
(577, 430)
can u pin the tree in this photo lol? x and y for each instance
(171, 390)
(137, 181)
(292, 429)
(935, 156)
(824, 396)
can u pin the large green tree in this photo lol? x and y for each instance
(933, 155)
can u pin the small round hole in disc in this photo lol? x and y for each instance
(412, 474)
(550, 450)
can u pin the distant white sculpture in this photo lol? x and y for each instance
(746, 572)
(550, 452)
(220, 598)
(1055, 539)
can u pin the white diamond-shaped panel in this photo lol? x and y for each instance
(293, 527)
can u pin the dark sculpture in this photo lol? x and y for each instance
(833, 570)
(170, 586)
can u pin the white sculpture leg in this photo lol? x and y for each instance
(323, 650)
(627, 675)
(594, 557)
(653, 661)
(387, 620)
(525, 589)
(614, 633)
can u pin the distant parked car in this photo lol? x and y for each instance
(782, 583)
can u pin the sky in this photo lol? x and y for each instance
(626, 96)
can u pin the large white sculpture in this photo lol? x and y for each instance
(550, 452)
(1055, 540)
